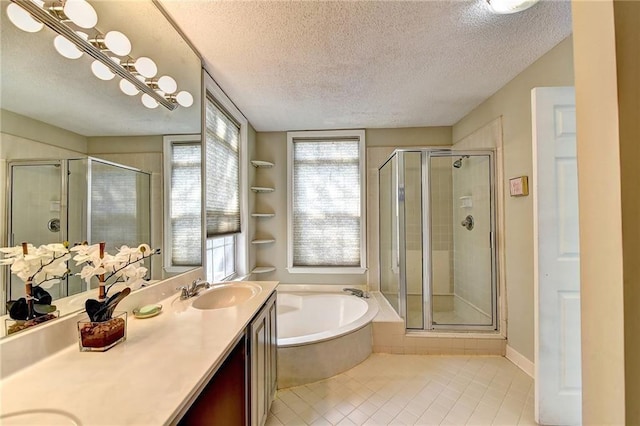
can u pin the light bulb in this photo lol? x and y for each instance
(146, 67)
(66, 48)
(510, 6)
(184, 99)
(167, 84)
(117, 43)
(128, 88)
(23, 19)
(149, 102)
(81, 13)
(101, 71)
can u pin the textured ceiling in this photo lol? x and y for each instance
(350, 64)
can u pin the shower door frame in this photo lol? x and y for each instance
(427, 274)
(64, 169)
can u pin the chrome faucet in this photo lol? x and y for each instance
(192, 290)
(357, 292)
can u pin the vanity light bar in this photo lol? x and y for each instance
(86, 47)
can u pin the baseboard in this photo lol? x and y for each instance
(520, 361)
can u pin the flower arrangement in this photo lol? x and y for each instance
(125, 266)
(105, 330)
(39, 268)
(42, 267)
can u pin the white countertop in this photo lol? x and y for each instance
(147, 380)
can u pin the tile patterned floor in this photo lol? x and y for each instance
(412, 390)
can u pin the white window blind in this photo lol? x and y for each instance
(120, 206)
(326, 204)
(184, 207)
(223, 168)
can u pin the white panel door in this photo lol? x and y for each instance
(556, 257)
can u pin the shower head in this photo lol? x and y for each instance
(458, 163)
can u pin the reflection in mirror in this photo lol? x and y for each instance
(76, 200)
(53, 108)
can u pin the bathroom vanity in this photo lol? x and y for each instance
(169, 366)
(242, 389)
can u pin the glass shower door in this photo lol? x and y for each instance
(389, 255)
(412, 219)
(463, 271)
(36, 210)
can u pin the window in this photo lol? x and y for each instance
(183, 193)
(326, 202)
(224, 148)
(221, 258)
(223, 171)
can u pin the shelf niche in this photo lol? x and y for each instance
(263, 241)
(262, 189)
(263, 269)
(261, 164)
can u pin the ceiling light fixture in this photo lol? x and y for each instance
(32, 15)
(510, 6)
(67, 49)
(23, 19)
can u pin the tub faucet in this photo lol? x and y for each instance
(193, 289)
(357, 292)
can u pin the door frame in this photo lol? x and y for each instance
(427, 241)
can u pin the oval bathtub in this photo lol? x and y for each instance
(321, 334)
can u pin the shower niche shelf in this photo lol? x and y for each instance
(261, 164)
(263, 241)
(466, 202)
(262, 189)
(263, 269)
(257, 214)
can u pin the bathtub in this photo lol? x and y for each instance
(321, 334)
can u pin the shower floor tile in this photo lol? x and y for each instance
(412, 390)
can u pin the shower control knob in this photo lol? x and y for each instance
(54, 225)
(467, 222)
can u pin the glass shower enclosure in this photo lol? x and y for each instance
(438, 240)
(76, 200)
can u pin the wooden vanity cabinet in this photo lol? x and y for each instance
(263, 361)
(242, 389)
(223, 401)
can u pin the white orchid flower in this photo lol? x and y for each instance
(90, 270)
(44, 264)
(16, 251)
(86, 253)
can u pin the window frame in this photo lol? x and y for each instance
(211, 88)
(328, 135)
(167, 145)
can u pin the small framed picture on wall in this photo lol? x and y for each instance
(519, 186)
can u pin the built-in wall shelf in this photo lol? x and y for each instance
(259, 163)
(263, 241)
(262, 189)
(263, 269)
(263, 214)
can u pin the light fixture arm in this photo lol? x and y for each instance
(86, 47)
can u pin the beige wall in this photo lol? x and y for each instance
(409, 136)
(627, 17)
(607, 105)
(28, 128)
(272, 146)
(513, 104)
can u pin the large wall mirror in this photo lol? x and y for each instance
(60, 124)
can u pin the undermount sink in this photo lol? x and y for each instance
(39, 417)
(226, 296)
